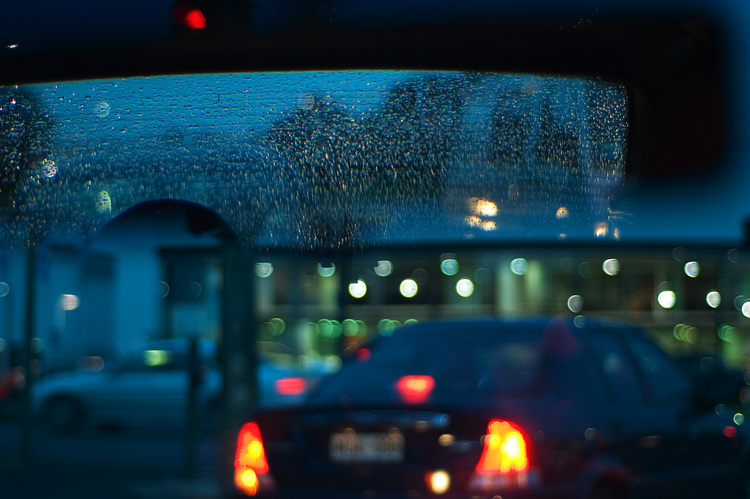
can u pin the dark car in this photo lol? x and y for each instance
(561, 406)
(714, 380)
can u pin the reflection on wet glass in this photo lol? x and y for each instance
(482, 207)
(101, 109)
(49, 168)
(103, 202)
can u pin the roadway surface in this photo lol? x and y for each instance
(124, 464)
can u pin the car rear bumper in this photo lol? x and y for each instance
(536, 493)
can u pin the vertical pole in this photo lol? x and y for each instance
(30, 308)
(194, 381)
(237, 355)
(343, 298)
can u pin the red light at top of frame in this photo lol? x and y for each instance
(190, 17)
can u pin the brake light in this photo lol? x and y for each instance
(504, 450)
(415, 389)
(250, 464)
(290, 386)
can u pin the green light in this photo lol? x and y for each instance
(263, 269)
(384, 268)
(350, 327)
(156, 358)
(276, 326)
(328, 271)
(329, 329)
(518, 266)
(449, 266)
(386, 327)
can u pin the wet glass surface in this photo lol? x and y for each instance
(321, 160)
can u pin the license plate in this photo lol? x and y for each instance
(351, 447)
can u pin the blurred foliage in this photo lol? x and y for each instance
(344, 168)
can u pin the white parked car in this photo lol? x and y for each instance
(150, 389)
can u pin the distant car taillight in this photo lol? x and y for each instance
(290, 386)
(504, 462)
(250, 465)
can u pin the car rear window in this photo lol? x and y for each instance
(320, 159)
(460, 364)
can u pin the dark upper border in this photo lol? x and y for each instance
(674, 66)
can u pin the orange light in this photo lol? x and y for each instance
(438, 482)
(250, 460)
(504, 450)
(415, 389)
(246, 480)
(290, 386)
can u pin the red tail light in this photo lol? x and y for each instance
(250, 464)
(504, 450)
(415, 389)
(290, 386)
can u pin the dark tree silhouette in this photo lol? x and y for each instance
(25, 136)
(338, 164)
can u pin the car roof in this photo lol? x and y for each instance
(570, 321)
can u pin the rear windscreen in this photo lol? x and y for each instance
(422, 365)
